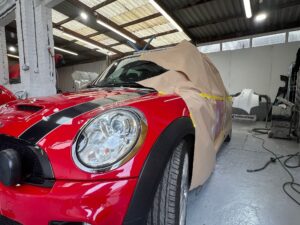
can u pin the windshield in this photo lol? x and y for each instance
(127, 72)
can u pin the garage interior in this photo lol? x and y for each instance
(59, 46)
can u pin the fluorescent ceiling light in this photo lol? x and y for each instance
(66, 51)
(247, 6)
(83, 15)
(83, 41)
(106, 52)
(166, 15)
(12, 49)
(260, 17)
(13, 56)
(116, 31)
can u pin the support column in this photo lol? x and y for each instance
(3, 58)
(35, 40)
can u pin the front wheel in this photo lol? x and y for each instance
(228, 138)
(170, 202)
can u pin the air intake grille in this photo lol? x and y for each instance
(29, 108)
(36, 168)
(6, 221)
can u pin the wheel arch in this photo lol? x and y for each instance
(190, 141)
(154, 166)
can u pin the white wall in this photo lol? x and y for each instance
(65, 82)
(256, 68)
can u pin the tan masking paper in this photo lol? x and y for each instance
(189, 74)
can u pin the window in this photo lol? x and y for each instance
(294, 36)
(234, 45)
(210, 48)
(268, 40)
(127, 72)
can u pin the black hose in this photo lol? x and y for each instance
(295, 187)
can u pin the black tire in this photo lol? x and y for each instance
(168, 204)
(228, 138)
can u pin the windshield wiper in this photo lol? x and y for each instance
(123, 84)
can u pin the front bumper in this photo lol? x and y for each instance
(96, 203)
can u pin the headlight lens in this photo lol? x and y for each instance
(107, 141)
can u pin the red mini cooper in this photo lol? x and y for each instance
(116, 153)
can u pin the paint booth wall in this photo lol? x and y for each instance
(256, 68)
(65, 82)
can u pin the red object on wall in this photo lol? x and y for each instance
(6, 95)
(14, 73)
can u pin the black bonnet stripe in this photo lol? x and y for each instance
(39, 130)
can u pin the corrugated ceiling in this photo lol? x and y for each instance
(204, 21)
(79, 28)
(60, 34)
(123, 48)
(168, 39)
(92, 3)
(104, 39)
(57, 16)
(121, 13)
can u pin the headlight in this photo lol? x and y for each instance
(109, 140)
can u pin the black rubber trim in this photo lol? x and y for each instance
(39, 130)
(48, 176)
(153, 169)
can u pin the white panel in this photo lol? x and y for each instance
(294, 36)
(234, 45)
(210, 48)
(249, 67)
(255, 68)
(268, 40)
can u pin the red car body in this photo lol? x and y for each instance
(6, 95)
(114, 197)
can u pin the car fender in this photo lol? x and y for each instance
(153, 169)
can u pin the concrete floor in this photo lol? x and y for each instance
(234, 197)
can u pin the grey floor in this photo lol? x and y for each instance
(234, 197)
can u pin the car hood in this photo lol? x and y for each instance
(23, 114)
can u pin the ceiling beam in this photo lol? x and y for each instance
(61, 43)
(102, 4)
(150, 36)
(144, 19)
(68, 31)
(98, 6)
(171, 13)
(65, 21)
(87, 9)
(160, 34)
(141, 20)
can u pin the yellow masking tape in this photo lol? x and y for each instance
(161, 93)
(193, 121)
(214, 97)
